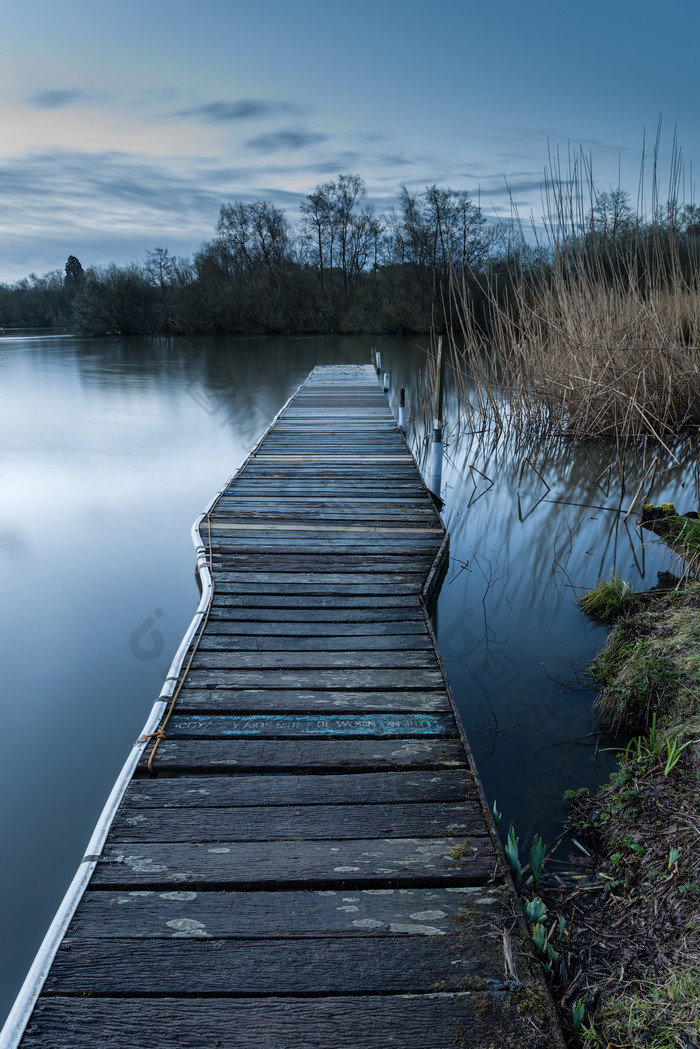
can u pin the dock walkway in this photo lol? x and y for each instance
(311, 863)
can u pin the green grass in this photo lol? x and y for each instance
(657, 1015)
(652, 663)
(645, 832)
(609, 599)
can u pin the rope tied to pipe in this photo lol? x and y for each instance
(160, 734)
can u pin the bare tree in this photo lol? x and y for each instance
(339, 231)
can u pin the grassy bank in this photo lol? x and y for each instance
(633, 905)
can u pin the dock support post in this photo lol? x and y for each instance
(378, 361)
(434, 479)
(437, 394)
(402, 410)
(386, 382)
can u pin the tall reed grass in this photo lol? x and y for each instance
(593, 330)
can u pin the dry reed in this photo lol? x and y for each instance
(591, 333)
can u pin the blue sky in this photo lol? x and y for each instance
(125, 127)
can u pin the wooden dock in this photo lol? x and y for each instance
(311, 863)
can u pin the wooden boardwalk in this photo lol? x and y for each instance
(312, 864)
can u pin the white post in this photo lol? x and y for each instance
(403, 414)
(434, 477)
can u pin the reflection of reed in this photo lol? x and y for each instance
(517, 496)
(490, 431)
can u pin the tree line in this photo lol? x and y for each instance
(42, 301)
(341, 266)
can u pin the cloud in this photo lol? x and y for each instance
(282, 141)
(394, 160)
(59, 191)
(505, 188)
(113, 206)
(243, 109)
(58, 98)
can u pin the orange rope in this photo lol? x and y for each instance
(160, 733)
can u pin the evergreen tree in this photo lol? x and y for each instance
(75, 274)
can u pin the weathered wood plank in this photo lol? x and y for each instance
(386, 499)
(373, 862)
(320, 578)
(288, 822)
(301, 614)
(251, 487)
(375, 787)
(402, 602)
(303, 660)
(425, 1021)
(330, 531)
(383, 537)
(297, 422)
(236, 968)
(224, 700)
(342, 634)
(330, 562)
(274, 512)
(331, 467)
(307, 726)
(333, 680)
(300, 450)
(187, 914)
(351, 544)
(311, 589)
(230, 641)
(257, 755)
(331, 498)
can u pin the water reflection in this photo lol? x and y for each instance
(531, 524)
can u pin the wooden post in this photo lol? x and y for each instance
(378, 361)
(386, 382)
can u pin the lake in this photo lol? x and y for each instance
(109, 449)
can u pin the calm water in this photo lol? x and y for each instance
(108, 451)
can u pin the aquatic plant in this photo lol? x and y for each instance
(680, 532)
(578, 1011)
(535, 911)
(609, 599)
(537, 853)
(645, 663)
(513, 856)
(674, 751)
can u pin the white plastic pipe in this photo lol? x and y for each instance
(434, 472)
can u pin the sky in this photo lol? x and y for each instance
(126, 126)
